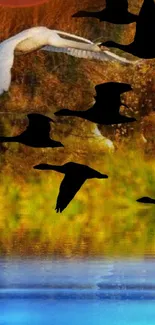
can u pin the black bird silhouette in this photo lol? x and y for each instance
(75, 176)
(146, 199)
(37, 133)
(143, 45)
(106, 109)
(116, 12)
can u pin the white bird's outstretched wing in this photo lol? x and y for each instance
(82, 48)
(57, 41)
(114, 57)
(7, 49)
(89, 54)
(72, 37)
(6, 62)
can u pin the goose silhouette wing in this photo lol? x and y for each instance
(145, 24)
(112, 90)
(113, 4)
(146, 199)
(39, 124)
(105, 106)
(70, 185)
(108, 96)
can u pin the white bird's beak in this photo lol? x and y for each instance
(96, 46)
(102, 47)
(98, 43)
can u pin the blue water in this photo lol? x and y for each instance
(89, 292)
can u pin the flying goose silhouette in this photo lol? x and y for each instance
(143, 45)
(75, 176)
(106, 108)
(146, 199)
(49, 40)
(37, 133)
(116, 12)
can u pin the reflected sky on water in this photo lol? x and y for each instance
(87, 292)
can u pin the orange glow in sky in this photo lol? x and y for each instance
(21, 3)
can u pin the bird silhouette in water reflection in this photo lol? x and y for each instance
(146, 199)
(116, 12)
(75, 176)
(143, 45)
(106, 108)
(37, 133)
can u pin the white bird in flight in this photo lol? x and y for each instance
(43, 38)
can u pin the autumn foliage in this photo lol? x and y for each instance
(102, 219)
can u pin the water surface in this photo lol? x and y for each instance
(90, 292)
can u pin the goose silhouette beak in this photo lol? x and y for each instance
(79, 14)
(129, 88)
(103, 176)
(40, 166)
(58, 113)
(61, 145)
